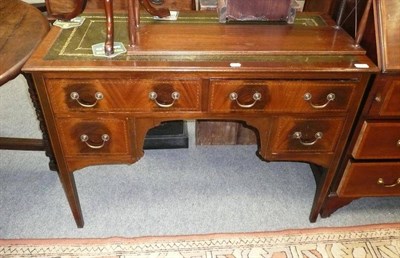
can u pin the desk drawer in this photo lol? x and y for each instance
(93, 136)
(370, 179)
(306, 135)
(123, 95)
(378, 140)
(280, 96)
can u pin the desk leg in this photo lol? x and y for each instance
(66, 177)
(68, 183)
(324, 178)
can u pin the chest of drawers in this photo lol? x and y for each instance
(370, 166)
(376, 153)
(300, 98)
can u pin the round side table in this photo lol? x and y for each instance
(22, 28)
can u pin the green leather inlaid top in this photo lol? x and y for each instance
(76, 43)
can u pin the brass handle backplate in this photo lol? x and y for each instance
(234, 97)
(330, 97)
(299, 135)
(175, 96)
(75, 96)
(105, 138)
(382, 182)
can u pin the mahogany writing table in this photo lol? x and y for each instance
(298, 85)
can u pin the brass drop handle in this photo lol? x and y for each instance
(175, 96)
(75, 96)
(298, 135)
(234, 97)
(330, 97)
(382, 182)
(105, 137)
(398, 143)
(157, 2)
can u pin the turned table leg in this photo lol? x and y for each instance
(134, 17)
(133, 21)
(45, 142)
(109, 44)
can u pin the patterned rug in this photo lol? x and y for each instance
(361, 241)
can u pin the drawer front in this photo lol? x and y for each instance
(378, 140)
(387, 96)
(133, 95)
(280, 96)
(93, 136)
(306, 135)
(370, 179)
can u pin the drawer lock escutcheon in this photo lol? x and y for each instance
(330, 97)
(234, 97)
(298, 135)
(105, 138)
(98, 96)
(382, 182)
(175, 96)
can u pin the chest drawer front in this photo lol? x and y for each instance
(120, 95)
(93, 136)
(370, 179)
(378, 140)
(387, 96)
(280, 96)
(306, 135)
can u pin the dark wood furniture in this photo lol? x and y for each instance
(323, 6)
(67, 9)
(299, 87)
(167, 135)
(123, 4)
(233, 132)
(371, 165)
(22, 27)
(207, 132)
